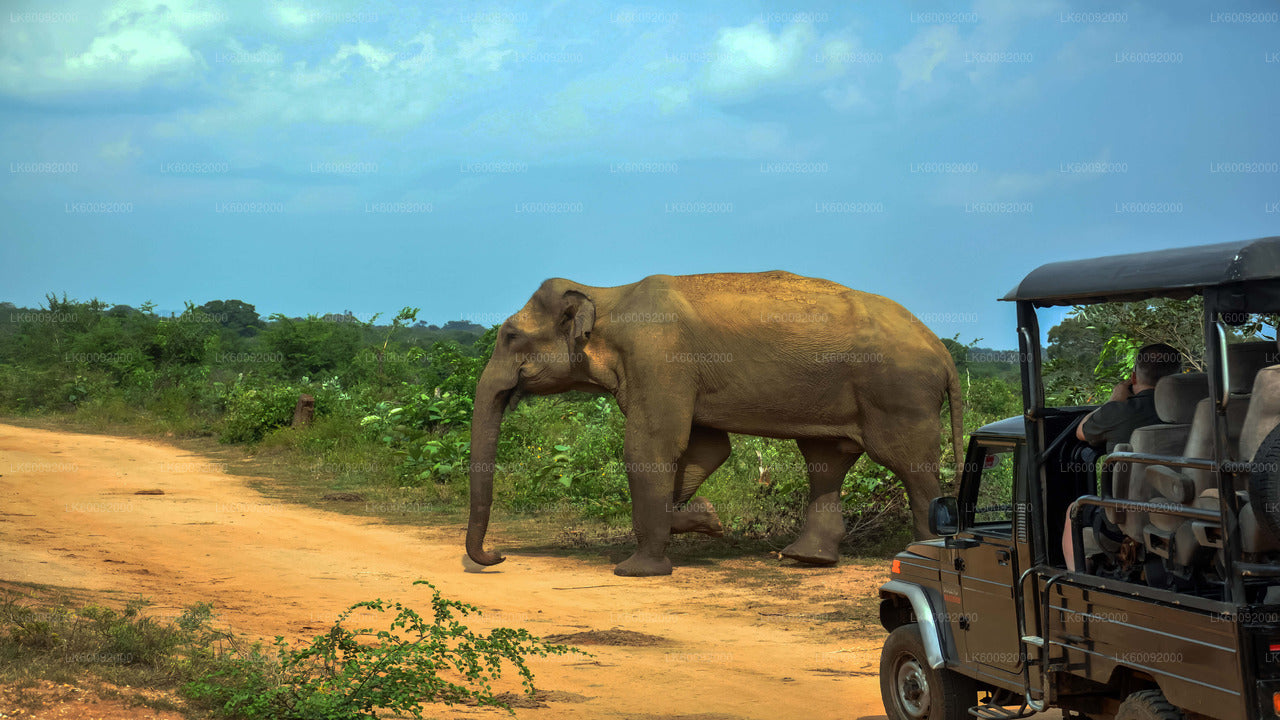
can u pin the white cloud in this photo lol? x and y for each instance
(489, 45)
(133, 43)
(1019, 185)
(564, 118)
(290, 16)
(390, 86)
(184, 15)
(921, 56)
(748, 58)
(938, 55)
(671, 98)
(372, 55)
(144, 51)
(426, 52)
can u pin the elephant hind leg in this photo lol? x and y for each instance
(913, 455)
(828, 461)
(707, 450)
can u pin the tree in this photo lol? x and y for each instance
(235, 315)
(313, 346)
(959, 353)
(1094, 347)
(1179, 323)
(463, 325)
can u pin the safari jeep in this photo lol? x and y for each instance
(1173, 610)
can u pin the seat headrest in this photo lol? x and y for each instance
(1245, 359)
(1177, 396)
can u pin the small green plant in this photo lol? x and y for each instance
(353, 673)
(251, 412)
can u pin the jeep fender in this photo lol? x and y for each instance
(932, 633)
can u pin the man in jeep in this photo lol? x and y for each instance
(1132, 405)
(1133, 402)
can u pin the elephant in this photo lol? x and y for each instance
(692, 358)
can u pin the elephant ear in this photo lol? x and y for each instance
(579, 317)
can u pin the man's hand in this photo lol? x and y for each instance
(1122, 392)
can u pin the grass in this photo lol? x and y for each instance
(64, 636)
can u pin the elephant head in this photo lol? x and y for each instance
(539, 351)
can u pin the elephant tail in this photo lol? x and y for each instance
(955, 401)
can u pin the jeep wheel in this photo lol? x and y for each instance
(1148, 705)
(914, 691)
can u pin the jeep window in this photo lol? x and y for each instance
(993, 504)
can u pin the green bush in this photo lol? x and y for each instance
(564, 451)
(356, 672)
(24, 388)
(427, 431)
(251, 412)
(346, 673)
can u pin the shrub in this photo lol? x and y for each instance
(125, 644)
(426, 430)
(346, 673)
(564, 451)
(251, 412)
(352, 673)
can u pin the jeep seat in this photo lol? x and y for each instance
(1176, 399)
(1249, 417)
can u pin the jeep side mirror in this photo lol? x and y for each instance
(944, 516)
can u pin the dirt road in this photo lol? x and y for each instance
(729, 649)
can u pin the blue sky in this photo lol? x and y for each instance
(319, 157)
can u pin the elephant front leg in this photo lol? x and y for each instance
(819, 541)
(696, 516)
(651, 473)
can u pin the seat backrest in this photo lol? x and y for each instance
(1264, 411)
(1176, 398)
(1155, 440)
(1261, 413)
(1245, 359)
(1200, 439)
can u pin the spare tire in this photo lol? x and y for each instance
(1264, 483)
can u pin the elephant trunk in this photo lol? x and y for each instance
(492, 394)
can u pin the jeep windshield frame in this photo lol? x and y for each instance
(1235, 278)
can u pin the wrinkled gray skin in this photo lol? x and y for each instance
(692, 358)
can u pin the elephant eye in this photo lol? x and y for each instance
(511, 337)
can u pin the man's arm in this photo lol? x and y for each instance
(1119, 393)
(1080, 428)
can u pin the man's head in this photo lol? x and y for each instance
(1154, 362)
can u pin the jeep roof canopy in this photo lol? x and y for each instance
(1178, 272)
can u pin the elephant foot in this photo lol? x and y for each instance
(699, 516)
(643, 566)
(812, 552)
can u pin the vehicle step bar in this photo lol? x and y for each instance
(1000, 712)
(1031, 702)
